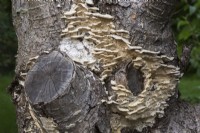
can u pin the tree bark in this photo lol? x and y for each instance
(78, 106)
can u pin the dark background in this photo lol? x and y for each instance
(186, 26)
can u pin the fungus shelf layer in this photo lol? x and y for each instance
(91, 39)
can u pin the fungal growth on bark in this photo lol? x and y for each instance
(92, 40)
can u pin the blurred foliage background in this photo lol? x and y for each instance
(8, 40)
(8, 48)
(186, 26)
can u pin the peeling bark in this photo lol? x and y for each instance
(79, 108)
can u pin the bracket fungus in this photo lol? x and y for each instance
(106, 47)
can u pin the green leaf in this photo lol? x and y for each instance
(184, 35)
(182, 23)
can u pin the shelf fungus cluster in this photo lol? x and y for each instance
(91, 39)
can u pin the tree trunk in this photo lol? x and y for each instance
(98, 66)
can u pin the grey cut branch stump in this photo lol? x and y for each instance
(98, 66)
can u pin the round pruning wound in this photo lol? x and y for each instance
(49, 78)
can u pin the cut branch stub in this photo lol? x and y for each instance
(65, 95)
(49, 78)
(79, 110)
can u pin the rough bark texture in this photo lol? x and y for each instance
(38, 26)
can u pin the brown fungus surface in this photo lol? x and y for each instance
(91, 39)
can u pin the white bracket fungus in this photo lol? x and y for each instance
(91, 39)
